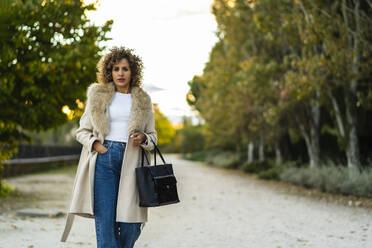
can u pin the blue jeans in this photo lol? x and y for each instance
(109, 233)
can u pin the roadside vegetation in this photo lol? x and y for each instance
(328, 177)
(288, 86)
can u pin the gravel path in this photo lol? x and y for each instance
(219, 208)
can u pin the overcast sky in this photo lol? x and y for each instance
(173, 38)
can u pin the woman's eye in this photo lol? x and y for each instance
(125, 69)
(116, 68)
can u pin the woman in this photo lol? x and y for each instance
(117, 121)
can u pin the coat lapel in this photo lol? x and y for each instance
(141, 110)
(99, 99)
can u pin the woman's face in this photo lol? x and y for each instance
(121, 74)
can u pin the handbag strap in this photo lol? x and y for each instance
(157, 150)
(144, 155)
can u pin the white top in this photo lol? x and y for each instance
(119, 110)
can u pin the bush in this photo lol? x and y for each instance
(223, 159)
(196, 156)
(218, 158)
(358, 183)
(273, 173)
(257, 166)
(328, 178)
(5, 189)
(332, 179)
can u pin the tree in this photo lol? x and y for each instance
(164, 128)
(343, 49)
(192, 136)
(49, 50)
(287, 69)
(352, 53)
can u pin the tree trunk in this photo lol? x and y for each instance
(308, 145)
(339, 119)
(351, 112)
(313, 120)
(349, 134)
(314, 130)
(278, 153)
(352, 147)
(261, 152)
(250, 152)
(312, 138)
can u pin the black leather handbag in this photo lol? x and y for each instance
(157, 185)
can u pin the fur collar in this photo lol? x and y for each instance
(99, 98)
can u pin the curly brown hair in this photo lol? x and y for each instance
(107, 62)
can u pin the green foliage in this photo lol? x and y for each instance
(332, 179)
(63, 135)
(223, 159)
(49, 51)
(6, 152)
(5, 188)
(275, 62)
(273, 172)
(197, 156)
(192, 136)
(196, 86)
(257, 166)
(327, 178)
(218, 158)
(174, 146)
(186, 138)
(164, 128)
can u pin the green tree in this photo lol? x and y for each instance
(49, 50)
(192, 136)
(48, 53)
(164, 128)
(349, 60)
(287, 68)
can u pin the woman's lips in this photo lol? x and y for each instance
(121, 79)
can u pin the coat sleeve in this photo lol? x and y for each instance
(84, 134)
(150, 133)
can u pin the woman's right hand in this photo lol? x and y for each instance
(98, 147)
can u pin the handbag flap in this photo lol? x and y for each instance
(165, 180)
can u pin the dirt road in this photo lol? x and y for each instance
(219, 208)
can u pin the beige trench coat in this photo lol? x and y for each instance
(94, 125)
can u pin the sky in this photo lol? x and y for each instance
(174, 39)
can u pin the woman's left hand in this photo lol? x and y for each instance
(138, 138)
